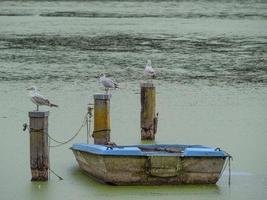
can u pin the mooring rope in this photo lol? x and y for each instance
(60, 143)
(85, 121)
(229, 157)
(229, 168)
(60, 178)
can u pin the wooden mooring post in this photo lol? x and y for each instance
(101, 132)
(39, 153)
(148, 111)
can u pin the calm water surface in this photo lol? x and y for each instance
(211, 59)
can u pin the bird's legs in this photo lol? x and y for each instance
(37, 107)
(150, 80)
(106, 89)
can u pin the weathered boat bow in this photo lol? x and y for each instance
(151, 164)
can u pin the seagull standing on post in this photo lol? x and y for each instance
(107, 83)
(149, 71)
(38, 99)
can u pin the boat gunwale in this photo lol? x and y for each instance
(143, 153)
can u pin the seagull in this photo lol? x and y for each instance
(107, 83)
(149, 71)
(38, 99)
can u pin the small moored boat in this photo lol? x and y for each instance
(151, 164)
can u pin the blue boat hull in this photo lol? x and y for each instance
(151, 164)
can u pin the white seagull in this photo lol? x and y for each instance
(107, 83)
(149, 71)
(38, 99)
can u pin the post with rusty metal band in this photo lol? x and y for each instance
(39, 153)
(148, 111)
(101, 132)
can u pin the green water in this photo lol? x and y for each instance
(211, 61)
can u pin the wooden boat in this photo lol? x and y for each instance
(151, 164)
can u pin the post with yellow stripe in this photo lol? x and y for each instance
(102, 130)
(149, 119)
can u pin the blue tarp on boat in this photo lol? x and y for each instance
(203, 152)
(104, 150)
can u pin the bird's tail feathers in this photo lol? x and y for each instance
(53, 105)
(116, 85)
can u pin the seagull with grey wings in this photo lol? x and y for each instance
(149, 71)
(107, 83)
(38, 99)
